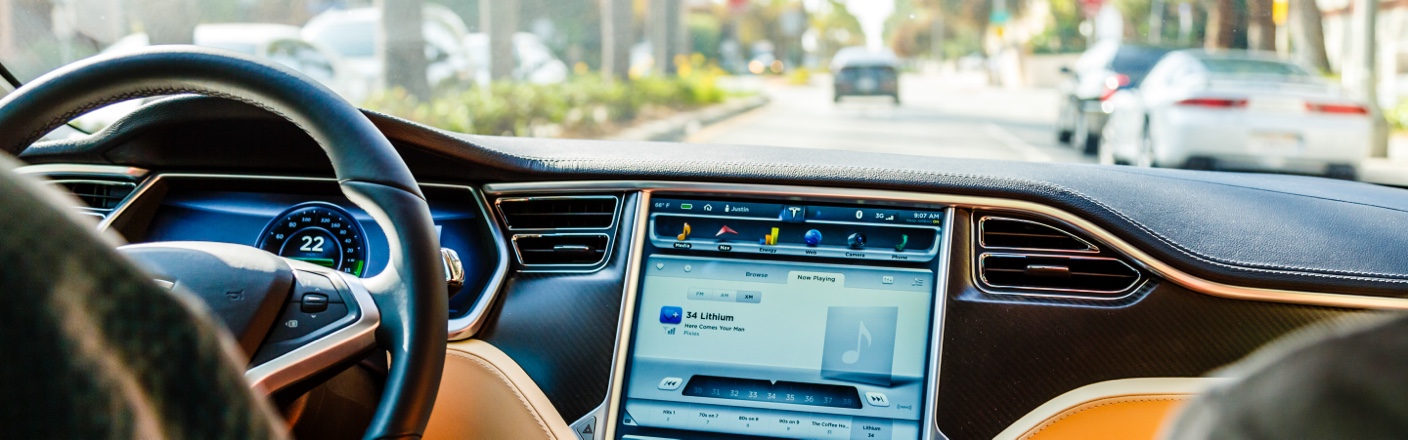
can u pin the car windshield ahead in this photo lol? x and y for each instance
(1239, 67)
(966, 78)
(1136, 61)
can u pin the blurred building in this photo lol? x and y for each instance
(1392, 42)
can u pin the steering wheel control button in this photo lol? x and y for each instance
(296, 323)
(313, 283)
(314, 303)
(309, 282)
(877, 399)
(670, 383)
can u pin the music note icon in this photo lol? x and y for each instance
(860, 344)
(851, 356)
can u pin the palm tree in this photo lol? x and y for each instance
(617, 35)
(1309, 34)
(401, 46)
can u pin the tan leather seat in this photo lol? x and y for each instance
(1118, 409)
(1126, 417)
(485, 394)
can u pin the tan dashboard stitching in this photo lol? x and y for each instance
(521, 398)
(1099, 403)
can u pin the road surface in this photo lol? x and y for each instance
(950, 116)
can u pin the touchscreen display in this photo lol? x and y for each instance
(778, 349)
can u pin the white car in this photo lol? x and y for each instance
(353, 34)
(535, 62)
(277, 42)
(1246, 111)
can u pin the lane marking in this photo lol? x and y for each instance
(1029, 153)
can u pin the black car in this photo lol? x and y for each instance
(1105, 68)
(863, 72)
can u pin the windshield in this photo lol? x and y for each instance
(1269, 86)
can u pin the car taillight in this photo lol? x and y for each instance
(1113, 84)
(1342, 109)
(1214, 102)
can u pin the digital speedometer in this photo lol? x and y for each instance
(318, 233)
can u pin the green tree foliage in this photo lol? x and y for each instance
(1063, 32)
(836, 28)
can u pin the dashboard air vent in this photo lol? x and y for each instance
(561, 249)
(99, 197)
(573, 212)
(1011, 233)
(1057, 273)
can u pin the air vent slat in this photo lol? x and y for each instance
(99, 197)
(1011, 233)
(1057, 273)
(561, 249)
(583, 212)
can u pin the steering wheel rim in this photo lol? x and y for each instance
(409, 293)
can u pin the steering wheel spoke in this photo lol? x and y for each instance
(330, 319)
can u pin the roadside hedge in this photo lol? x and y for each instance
(583, 106)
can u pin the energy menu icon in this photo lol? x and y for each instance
(770, 239)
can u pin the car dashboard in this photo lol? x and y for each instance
(644, 292)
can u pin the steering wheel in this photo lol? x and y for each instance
(402, 309)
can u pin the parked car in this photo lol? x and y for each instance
(1107, 67)
(353, 34)
(534, 61)
(277, 42)
(859, 71)
(1238, 111)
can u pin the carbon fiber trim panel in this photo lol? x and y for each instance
(561, 326)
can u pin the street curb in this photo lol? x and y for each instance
(678, 127)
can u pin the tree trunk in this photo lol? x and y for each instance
(401, 46)
(1309, 34)
(617, 36)
(1222, 22)
(499, 19)
(664, 26)
(1261, 29)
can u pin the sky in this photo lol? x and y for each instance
(871, 13)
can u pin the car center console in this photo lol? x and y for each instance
(781, 319)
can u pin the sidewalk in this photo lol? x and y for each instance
(1392, 170)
